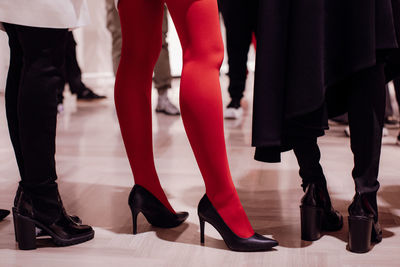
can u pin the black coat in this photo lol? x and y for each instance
(306, 47)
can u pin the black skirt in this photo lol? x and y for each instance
(305, 48)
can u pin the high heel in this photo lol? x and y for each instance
(141, 200)
(62, 229)
(207, 213)
(202, 226)
(311, 223)
(3, 214)
(317, 214)
(25, 232)
(360, 231)
(364, 228)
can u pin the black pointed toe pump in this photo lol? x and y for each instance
(142, 201)
(207, 213)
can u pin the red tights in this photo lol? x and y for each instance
(197, 23)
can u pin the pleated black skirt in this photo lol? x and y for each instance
(306, 47)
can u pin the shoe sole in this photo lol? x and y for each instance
(167, 113)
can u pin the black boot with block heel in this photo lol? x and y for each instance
(364, 228)
(317, 214)
(28, 218)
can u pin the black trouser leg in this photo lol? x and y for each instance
(240, 21)
(32, 109)
(12, 93)
(366, 116)
(73, 73)
(308, 156)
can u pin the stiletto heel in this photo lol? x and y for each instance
(141, 200)
(134, 219)
(360, 232)
(202, 226)
(207, 213)
(25, 231)
(311, 223)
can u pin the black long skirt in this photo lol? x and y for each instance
(306, 47)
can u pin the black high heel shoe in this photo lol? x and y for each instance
(364, 228)
(317, 214)
(3, 214)
(141, 200)
(63, 230)
(207, 213)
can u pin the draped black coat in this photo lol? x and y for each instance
(304, 48)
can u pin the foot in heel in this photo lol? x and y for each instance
(141, 200)
(207, 213)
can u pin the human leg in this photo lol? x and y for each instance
(141, 23)
(114, 27)
(162, 74)
(197, 24)
(38, 203)
(366, 118)
(317, 213)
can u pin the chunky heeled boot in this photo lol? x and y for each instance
(364, 228)
(141, 200)
(30, 218)
(317, 213)
(39, 232)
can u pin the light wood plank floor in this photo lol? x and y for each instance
(95, 180)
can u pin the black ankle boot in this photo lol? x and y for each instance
(364, 228)
(317, 213)
(29, 215)
(141, 200)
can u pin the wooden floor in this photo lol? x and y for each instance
(95, 180)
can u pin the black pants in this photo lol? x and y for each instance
(71, 71)
(35, 73)
(240, 18)
(364, 98)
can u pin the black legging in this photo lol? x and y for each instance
(363, 95)
(35, 73)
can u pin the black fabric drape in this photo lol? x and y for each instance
(304, 49)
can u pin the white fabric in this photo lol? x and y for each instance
(61, 14)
